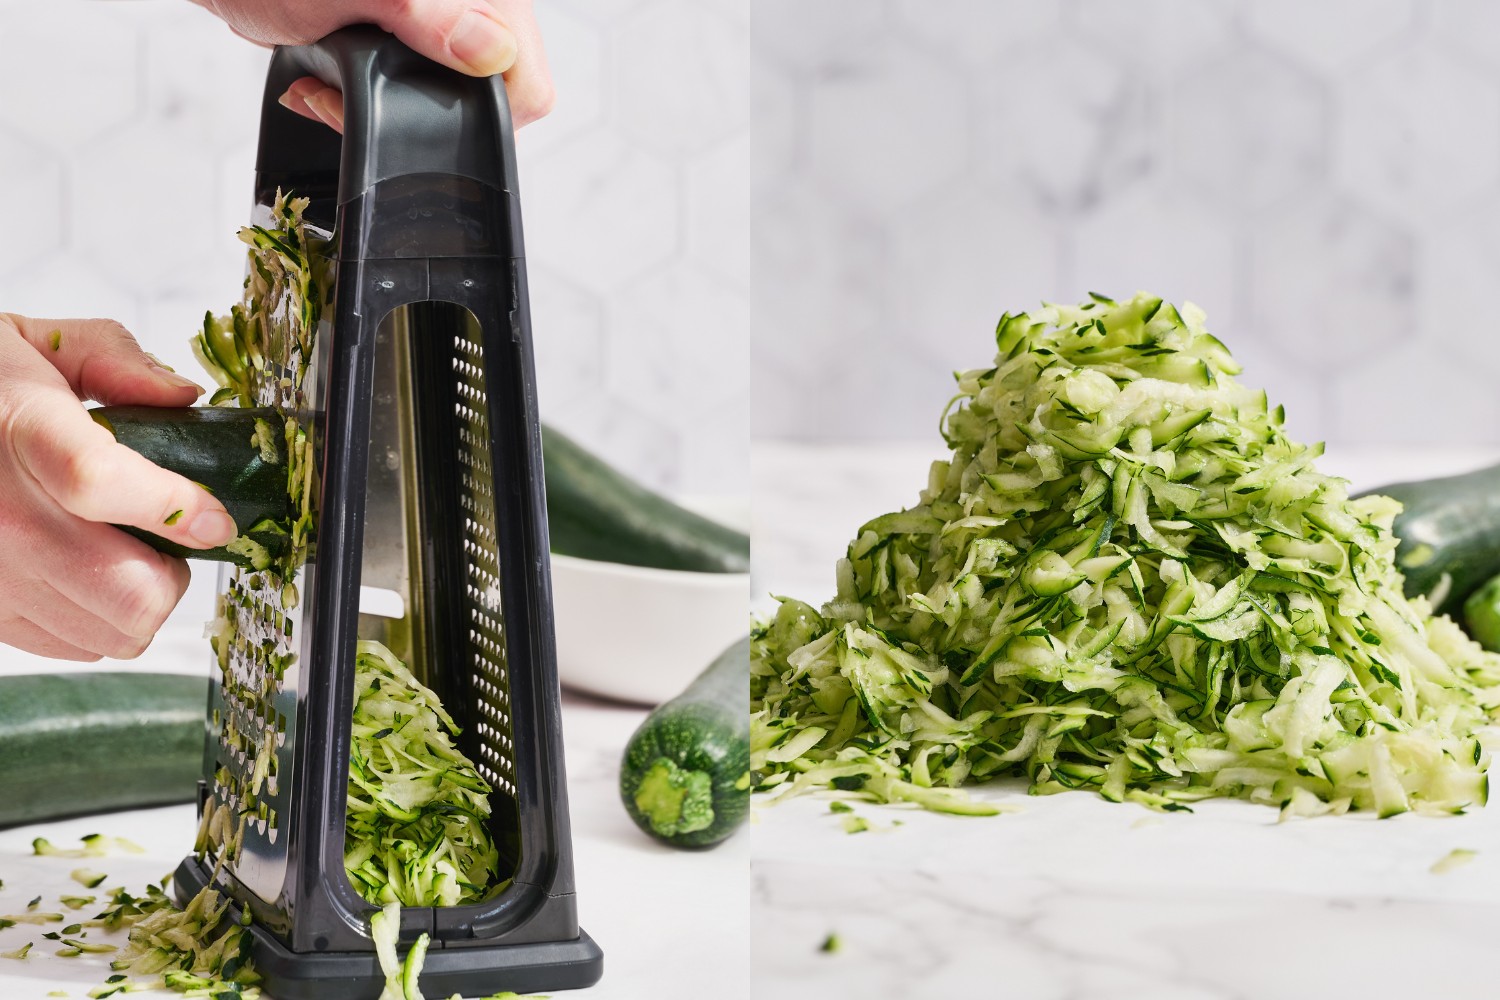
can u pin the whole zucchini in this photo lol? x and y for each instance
(596, 513)
(217, 449)
(1450, 527)
(1481, 617)
(685, 775)
(593, 511)
(88, 742)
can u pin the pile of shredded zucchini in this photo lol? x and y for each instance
(1127, 578)
(418, 807)
(196, 950)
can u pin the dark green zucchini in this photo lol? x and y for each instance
(596, 513)
(216, 448)
(593, 511)
(89, 742)
(1482, 615)
(1450, 528)
(685, 776)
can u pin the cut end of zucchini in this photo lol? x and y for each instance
(675, 801)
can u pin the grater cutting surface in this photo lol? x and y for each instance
(254, 707)
(486, 621)
(409, 345)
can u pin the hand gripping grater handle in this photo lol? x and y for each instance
(429, 264)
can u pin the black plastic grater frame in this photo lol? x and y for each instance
(429, 356)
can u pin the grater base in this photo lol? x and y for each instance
(469, 970)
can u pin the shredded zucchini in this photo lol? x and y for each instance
(87, 877)
(196, 947)
(416, 830)
(1456, 858)
(95, 845)
(400, 975)
(1126, 578)
(31, 917)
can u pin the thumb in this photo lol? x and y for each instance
(466, 35)
(103, 362)
(86, 472)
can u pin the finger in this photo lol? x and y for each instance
(81, 467)
(103, 362)
(120, 579)
(56, 615)
(27, 636)
(528, 83)
(328, 105)
(296, 102)
(466, 35)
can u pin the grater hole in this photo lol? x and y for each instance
(482, 588)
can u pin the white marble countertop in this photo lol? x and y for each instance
(1074, 897)
(669, 921)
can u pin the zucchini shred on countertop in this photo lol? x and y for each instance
(1126, 578)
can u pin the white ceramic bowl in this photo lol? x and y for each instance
(641, 635)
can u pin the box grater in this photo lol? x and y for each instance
(420, 399)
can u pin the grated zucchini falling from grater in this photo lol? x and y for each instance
(390, 363)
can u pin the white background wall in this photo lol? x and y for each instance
(1322, 176)
(127, 144)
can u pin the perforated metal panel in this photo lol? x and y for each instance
(431, 534)
(487, 650)
(255, 705)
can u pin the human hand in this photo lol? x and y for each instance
(478, 37)
(72, 586)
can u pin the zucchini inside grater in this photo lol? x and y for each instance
(419, 397)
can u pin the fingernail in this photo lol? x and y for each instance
(285, 100)
(173, 379)
(483, 44)
(213, 527)
(322, 105)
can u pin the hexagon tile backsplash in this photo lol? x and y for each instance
(1322, 176)
(127, 147)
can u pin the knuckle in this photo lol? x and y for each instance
(399, 10)
(113, 329)
(544, 101)
(81, 480)
(146, 599)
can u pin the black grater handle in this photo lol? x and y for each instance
(432, 121)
